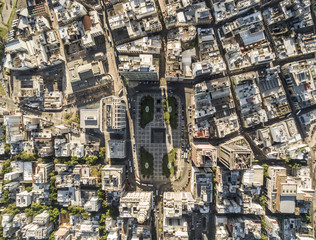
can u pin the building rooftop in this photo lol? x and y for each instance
(116, 149)
(136, 205)
(113, 114)
(89, 118)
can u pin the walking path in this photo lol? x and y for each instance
(8, 6)
(6, 12)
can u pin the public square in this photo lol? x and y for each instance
(157, 137)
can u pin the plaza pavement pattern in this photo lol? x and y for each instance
(143, 135)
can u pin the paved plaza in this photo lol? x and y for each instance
(151, 136)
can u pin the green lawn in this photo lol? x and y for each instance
(146, 117)
(3, 32)
(1, 6)
(171, 117)
(12, 15)
(169, 166)
(146, 158)
(2, 92)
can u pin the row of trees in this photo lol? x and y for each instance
(111, 212)
(5, 168)
(108, 211)
(91, 160)
(30, 157)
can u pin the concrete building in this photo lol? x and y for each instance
(253, 176)
(273, 93)
(93, 205)
(112, 114)
(62, 234)
(300, 78)
(286, 194)
(23, 199)
(13, 131)
(244, 228)
(142, 68)
(136, 205)
(235, 156)
(175, 205)
(65, 13)
(53, 101)
(145, 45)
(245, 42)
(214, 109)
(124, 17)
(31, 122)
(204, 155)
(224, 10)
(25, 168)
(92, 29)
(202, 188)
(89, 118)
(42, 171)
(67, 149)
(40, 228)
(6, 224)
(273, 228)
(271, 185)
(280, 140)
(68, 196)
(249, 99)
(116, 149)
(11, 176)
(113, 181)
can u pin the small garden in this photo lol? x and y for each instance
(146, 111)
(170, 111)
(70, 118)
(146, 162)
(169, 166)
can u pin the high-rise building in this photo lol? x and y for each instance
(235, 157)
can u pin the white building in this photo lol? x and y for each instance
(116, 149)
(137, 205)
(113, 180)
(23, 199)
(93, 205)
(40, 228)
(273, 228)
(89, 118)
(175, 205)
(112, 114)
